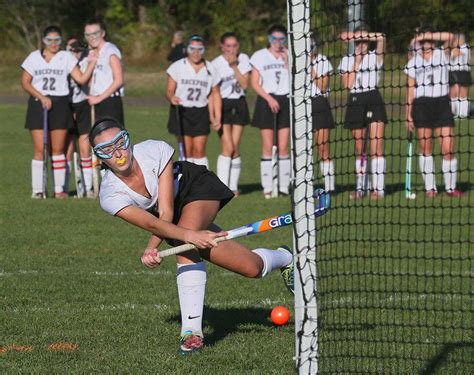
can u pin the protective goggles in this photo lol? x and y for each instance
(50, 40)
(94, 34)
(199, 49)
(280, 39)
(106, 150)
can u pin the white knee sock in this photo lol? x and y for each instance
(191, 280)
(68, 174)
(361, 172)
(428, 172)
(327, 170)
(202, 161)
(378, 174)
(223, 168)
(273, 259)
(266, 174)
(449, 168)
(455, 106)
(234, 177)
(86, 166)
(284, 170)
(463, 107)
(37, 176)
(59, 172)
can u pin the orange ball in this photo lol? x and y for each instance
(280, 315)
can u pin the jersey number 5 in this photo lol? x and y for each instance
(194, 94)
(51, 82)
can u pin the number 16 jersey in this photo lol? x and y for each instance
(230, 87)
(273, 72)
(193, 88)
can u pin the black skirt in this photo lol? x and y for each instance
(59, 116)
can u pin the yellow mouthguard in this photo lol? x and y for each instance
(121, 161)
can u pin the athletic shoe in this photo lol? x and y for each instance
(267, 194)
(90, 194)
(454, 193)
(37, 196)
(288, 272)
(377, 195)
(357, 194)
(236, 193)
(431, 194)
(61, 195)
(190, 343)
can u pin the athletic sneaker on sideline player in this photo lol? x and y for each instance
(45, 77)
(270, 80)
(234, 69)
(106, 88)
(428, 109)
(322, 117)
(193, 91)
(177, 201)
(365, 108)
(81, 111)
(459, 75)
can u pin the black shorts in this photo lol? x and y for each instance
(82, 117)
(193, 121)
(59, 116)
(460, 77)
(110, 107)
(263, 115)
(235, 111)
(432, 113)
(363, 109)
(321, 113)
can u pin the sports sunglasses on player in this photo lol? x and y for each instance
(94, 34)
(49, 40)
(281, 39)
(105, 150)
(199, 49)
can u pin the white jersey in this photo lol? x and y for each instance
(103, 77)
(79, 92)
(230, 87)
(152, 157)
(193, 88)
(367, 78)
(322, 67)
(461, 62)
(50, 78)
(273, 72)
(431, 76)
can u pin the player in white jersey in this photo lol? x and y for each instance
(428, 109)
(459, 75)
(270, 80)
(45, 78)
(322, 118)
(234, 69)
(106, 87)
(81, 112)
(193, 91)
(176, 202)
(365, 112)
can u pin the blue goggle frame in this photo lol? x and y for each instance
(281, 39)
(102, 154)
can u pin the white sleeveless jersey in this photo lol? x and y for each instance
(79, 92)
(322, 67)
(102, 77)
(431, 76)
(193, 88)
(461, 62)
(50, 78)
(152, 156)
(367, 78)
(230, 87)
(273, 72)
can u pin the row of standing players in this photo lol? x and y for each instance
(213, 93)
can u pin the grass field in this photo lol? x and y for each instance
(395, 276)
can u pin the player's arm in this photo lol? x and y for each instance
(440, 36)
(255, 81)
(26, 84)
(80, 77)
(409, 107)
(322, 82)
(171, 90)
(215, 107)
(243, 79)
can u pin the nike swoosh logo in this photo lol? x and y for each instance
(193, 317)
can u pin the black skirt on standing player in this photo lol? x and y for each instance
(59, 116)
(235, 111)
(364, 108)
(193, 121)
(321, 113)
(263, 115)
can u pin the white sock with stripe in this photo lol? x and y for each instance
(428, 172)
(86, 166)
(235, 167)
(191, 280)
(284, 169)
(327, 171)
(378, 174)
(449, 168)
(223, 168)
(37, 176)
(59, 172)
(273, 259)
(202, 161)
(266, 174)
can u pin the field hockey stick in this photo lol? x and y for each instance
(275, 157)
(364, 162)
(322, 205)
(78, 176)
(45, 152)
(408, 191)
(182, 150)
(95, 162)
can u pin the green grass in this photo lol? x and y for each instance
(394, 284)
